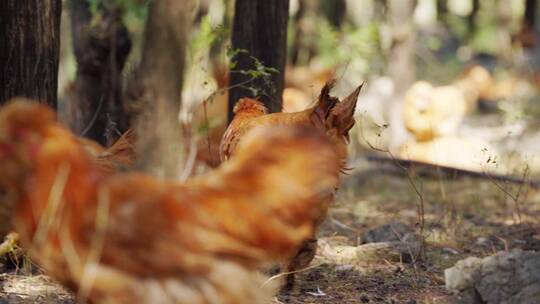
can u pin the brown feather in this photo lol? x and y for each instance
(156, 241)
(342, 115)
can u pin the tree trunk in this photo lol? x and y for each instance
(527, 33)
(260, 28)
(297, 38)
(471, 19)
(154, 95)
(101, 47)
(334, 10)
(504, 20)
(401, 62)
(306, 22)
(442, 10)
(530, 12)
(29, 49)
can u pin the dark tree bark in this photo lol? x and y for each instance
(95, 110)
(527, 33)
(153, 96)
(29, 49)
(530, 12)
(260, 28)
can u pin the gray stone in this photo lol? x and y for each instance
(406, 250)
(506, 277)
(344, 268)
(467, 296)
(393, 232)
(463, 275)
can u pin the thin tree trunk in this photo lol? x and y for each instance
(471, 20)
(297, 38)
(305, 24)
(442, 10)
(527, 34)
(530, 12)
(503, 38)
(29, 49)
(401, 62)
(95, 110)
(260, 28)
(154, 95)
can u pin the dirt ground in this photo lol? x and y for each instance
(463, 217)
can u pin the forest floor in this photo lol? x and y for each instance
(463, 217)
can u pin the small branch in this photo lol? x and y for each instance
(421, 203)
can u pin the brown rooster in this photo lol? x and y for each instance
(211, 115)
(131, 238)
(329, 115)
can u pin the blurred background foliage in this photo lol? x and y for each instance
(362, 37)
(357, 41)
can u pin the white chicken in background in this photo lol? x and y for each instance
(430, 112)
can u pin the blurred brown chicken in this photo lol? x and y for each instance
(206, 128)
(119, 156)
(329, 115)
(131, 238)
